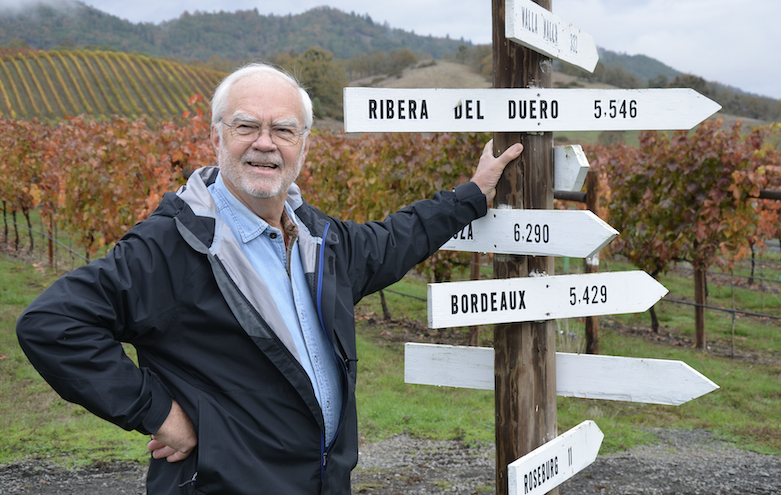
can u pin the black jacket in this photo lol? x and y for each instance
(176, 287)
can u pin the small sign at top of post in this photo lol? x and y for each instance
(534, 27)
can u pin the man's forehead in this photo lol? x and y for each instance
(265, 93)
(264, 84)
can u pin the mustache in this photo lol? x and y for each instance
(274, 158)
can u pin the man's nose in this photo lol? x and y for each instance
(264, 139)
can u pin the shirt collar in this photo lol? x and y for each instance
(248, 224)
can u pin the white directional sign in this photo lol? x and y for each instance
(570, 233)
(550, 465)
(570, 167)
(483, 302)
(523, 110)
(587, 376)
(537, 28)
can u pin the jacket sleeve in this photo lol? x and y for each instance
(73, 332)
(381, 253)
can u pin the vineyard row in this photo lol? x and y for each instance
(55, 84)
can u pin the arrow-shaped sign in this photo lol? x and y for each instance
(570, 166)
(523, 110)
(537, 28)
(570, 233)
(483, 302)
(550, 465)
(587, 376)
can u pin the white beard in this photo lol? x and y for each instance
(259, 187)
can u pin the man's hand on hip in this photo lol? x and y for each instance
(175, 440)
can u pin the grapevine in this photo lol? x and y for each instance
(26, 86)
(37, 85)
(13, 87)
(51, 86)
(67, 70)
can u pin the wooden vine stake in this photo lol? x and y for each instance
(525, 353)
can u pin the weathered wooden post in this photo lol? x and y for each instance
(525, 353)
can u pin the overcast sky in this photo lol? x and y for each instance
(727, 41)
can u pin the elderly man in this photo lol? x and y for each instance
(238, 297)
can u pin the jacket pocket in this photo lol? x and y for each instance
(239, 455)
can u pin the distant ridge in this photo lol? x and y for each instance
(642, 66)
(243, 35)
(224, 40)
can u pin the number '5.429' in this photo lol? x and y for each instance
(594, 294)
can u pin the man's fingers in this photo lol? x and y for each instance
(490, 168)
(154, 444)
(510, 153)
(160, 450)
(177, 456)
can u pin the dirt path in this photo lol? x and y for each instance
(684, 462)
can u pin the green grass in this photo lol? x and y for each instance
(35, 422)
(744, 410)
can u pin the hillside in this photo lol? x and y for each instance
(54, 84)
(642, 66)
(240, 36)
(225, 40)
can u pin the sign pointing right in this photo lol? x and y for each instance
(484, 302)
(587, 376)
(539, 29)
(523, 109)
(571, 233)
(553, 463)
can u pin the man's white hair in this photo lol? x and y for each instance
(220, 98)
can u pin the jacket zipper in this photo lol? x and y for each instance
(324, 450)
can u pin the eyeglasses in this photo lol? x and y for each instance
(281, 135)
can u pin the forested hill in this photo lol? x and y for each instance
(243, 35)
(224, 40)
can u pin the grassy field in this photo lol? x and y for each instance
(744, 410)
(34, 421)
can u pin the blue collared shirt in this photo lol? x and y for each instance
(265, 247)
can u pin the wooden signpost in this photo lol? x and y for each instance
(524, 234)
(570, 233)
(586, 376)
(525, 353)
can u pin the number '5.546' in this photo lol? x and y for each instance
(616, 108)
